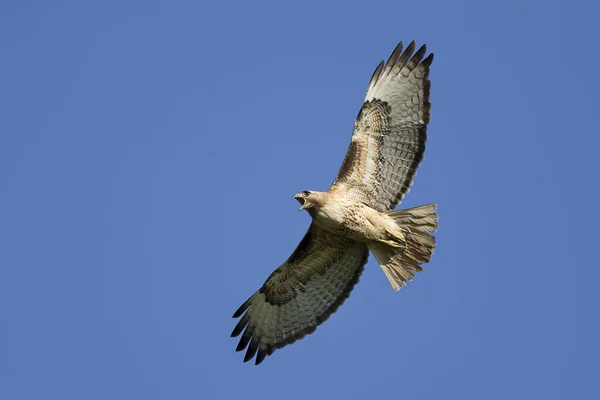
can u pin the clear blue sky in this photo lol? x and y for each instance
(149, 152)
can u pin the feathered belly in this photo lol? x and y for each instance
(354, 221)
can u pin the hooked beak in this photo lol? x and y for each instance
(301, 200)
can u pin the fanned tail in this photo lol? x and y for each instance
(400, 264)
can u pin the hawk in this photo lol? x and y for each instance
(355, 215)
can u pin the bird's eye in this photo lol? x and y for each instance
(306, 193)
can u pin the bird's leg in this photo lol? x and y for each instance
(397, 238)
(397, 243)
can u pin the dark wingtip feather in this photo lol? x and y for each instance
(263, 351)
(252, 349)
(393, 57)
(420, 53)
(245, 339)
(428, 60)
(239, 327)
(403, 59)
(376, 75)
(242, 308)
(416, 58)
(260, 357)
(240, 346)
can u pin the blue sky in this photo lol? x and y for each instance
(149, 152)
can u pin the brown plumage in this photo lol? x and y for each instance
(354, 215)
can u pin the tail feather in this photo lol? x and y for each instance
(400, 264)
(420, 219)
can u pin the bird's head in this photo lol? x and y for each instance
(307, 199)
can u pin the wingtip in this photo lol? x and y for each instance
(240, 346)
(260, 356)
(376, 74)
(239, 327)
(252, 349)
(393, 57)
(418, 56)
(428, 60)
(238, 313)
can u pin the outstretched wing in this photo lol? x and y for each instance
(301, 294)
(390, 131)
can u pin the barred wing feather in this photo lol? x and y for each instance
(301, 294)
(390, 131)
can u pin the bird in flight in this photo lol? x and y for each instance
(355, 215)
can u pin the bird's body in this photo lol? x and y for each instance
(352, 219)
(355, 215)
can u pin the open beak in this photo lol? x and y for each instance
(301, 201)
